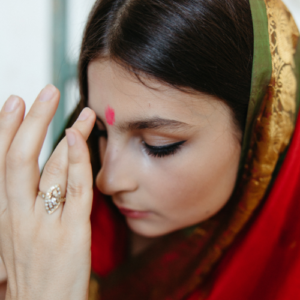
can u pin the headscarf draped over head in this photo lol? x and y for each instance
(251, 248)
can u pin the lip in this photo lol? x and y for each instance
(134, 214)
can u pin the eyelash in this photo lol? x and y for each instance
(155, 151)
(161, 151)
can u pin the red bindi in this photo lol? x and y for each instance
(110, 115)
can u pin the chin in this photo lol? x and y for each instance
(147, 229)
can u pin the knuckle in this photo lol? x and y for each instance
(7, 134)
(4, 125)
(35, 113)
(54, 168)
(74, 190)
(16, 157)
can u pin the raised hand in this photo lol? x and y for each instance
(46, 256)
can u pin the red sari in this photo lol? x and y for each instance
(251, 248)
(263, 263)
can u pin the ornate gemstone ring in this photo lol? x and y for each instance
(52, 199)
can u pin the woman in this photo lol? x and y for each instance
(197, 136)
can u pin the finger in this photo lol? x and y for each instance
(80, 180)
(3, 274)
(56, 169)
(22, 169)
(11, 117)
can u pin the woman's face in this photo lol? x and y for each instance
(170, 159)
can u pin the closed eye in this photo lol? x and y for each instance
(156, 151)
(161, 151)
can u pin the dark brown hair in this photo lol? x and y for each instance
(195, 45)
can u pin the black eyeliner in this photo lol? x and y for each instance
(165, 147)
(156, 151)
(161, 151)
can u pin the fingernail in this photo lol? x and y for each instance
(71, 138)
(47, 93)
(11, 103)
(84, 115)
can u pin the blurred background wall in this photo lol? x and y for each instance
(27, 50)
(28, 30)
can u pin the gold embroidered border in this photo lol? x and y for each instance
(272, 131)
(271, 135)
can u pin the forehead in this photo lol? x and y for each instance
(111, 85)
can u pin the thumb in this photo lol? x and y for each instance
(79, 194)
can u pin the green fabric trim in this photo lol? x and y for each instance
(261, 76)
(261, 70)
(297, 66)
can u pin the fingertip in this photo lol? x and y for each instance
(93, 113)
(92, 119)
(71, 137)
(13, 105)
(87, 114)
(53, 88)
(77, 145)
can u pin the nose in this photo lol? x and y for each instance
(117, 173)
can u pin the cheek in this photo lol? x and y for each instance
(196, 184)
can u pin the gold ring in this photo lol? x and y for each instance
(52, 198)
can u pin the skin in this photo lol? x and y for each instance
(177, 190)
(48, 257)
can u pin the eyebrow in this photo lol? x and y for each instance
(150, 123)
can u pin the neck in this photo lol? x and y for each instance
(139, 243)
